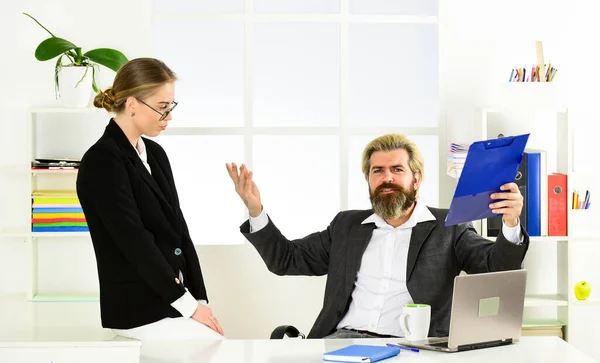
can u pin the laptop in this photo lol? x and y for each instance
(487, 311)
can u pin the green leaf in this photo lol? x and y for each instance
(107, 57)
(53, 47)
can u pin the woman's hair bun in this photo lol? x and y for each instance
(105, 99)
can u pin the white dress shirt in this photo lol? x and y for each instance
(380, 289)
(186, 304)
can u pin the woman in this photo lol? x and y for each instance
(151, 285)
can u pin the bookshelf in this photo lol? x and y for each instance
(27, 233)
(57, 297)
(57, 172)
(556, 263)
(555, 300)
(53, 277)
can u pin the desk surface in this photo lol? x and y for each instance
(62, 337)
(529, 349)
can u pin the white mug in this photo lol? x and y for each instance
(414, 321)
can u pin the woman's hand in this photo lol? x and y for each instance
(203, 314)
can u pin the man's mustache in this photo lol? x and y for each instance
(391, 186)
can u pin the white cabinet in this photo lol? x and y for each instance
(556, 264)
(61, 265)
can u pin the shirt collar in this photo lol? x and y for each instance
(141, 149)
(420, 214)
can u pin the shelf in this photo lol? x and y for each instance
(543, 239)
(545, 300)
(549, 238)
(59, 234)
(54, 171)
(531, 323)
(67, 297)
(588, 302)
(508, 110)
(23, 232)
(68, 110)
(23, 169)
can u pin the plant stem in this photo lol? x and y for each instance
(79, 56)
(34, 19)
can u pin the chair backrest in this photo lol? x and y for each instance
(286, 330)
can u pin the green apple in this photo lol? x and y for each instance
(582, 290)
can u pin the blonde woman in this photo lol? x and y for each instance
(151, 284)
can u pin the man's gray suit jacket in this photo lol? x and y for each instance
(436, 255)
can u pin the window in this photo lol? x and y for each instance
(295, 89)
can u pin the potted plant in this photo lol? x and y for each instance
(73, 79)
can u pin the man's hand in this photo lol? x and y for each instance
(509, 204)
(246, 188)
(203, 314)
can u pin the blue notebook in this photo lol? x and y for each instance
(361, 353)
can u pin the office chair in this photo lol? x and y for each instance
(286, 330)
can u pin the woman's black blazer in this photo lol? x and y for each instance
(140, 237)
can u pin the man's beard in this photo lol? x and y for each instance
(392, 205)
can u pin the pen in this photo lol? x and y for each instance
(416, 350)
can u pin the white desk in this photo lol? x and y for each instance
(66, 345)
(529, 350)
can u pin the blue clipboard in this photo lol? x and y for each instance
(489, 165)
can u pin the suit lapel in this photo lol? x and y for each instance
(148, 179)
(114, 131)
(360, 235)
(160, 178)
(419, 234)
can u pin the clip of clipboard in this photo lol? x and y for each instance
(489, 165)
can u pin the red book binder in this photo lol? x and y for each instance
(557, 205)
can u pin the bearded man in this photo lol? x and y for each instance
(396, 253)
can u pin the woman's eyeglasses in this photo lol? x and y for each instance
(163, 115)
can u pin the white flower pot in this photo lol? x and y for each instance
(73, 91)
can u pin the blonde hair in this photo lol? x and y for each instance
(391, 142)
(137, 78)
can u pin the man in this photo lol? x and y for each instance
(399, 252)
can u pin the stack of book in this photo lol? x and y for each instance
(55, 164)
(551, 328)
(57, 211)
(455, 161)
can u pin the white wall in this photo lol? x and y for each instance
(482, 40)
(476, 39)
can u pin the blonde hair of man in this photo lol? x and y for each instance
(391, 142)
